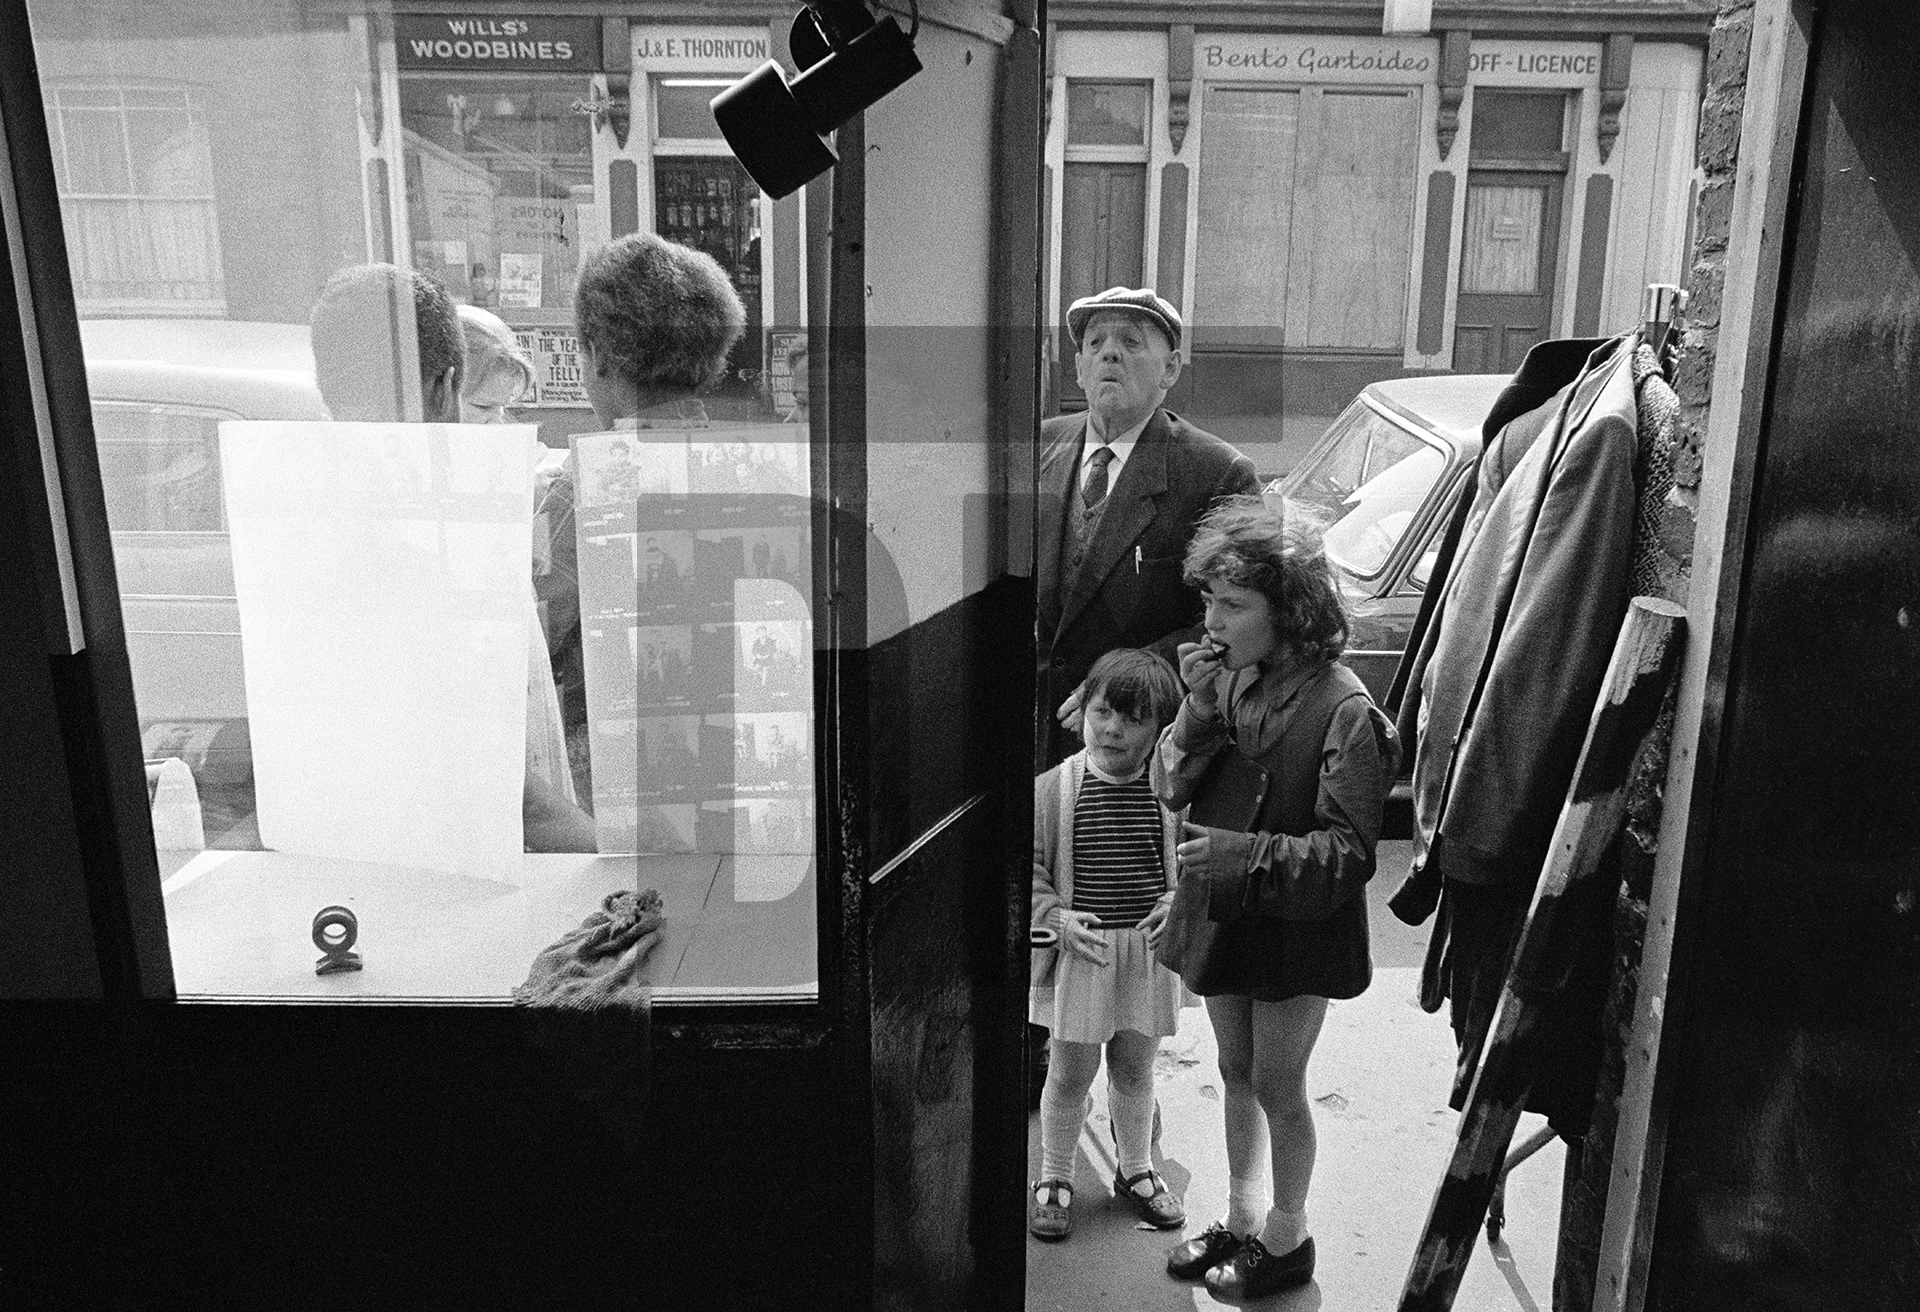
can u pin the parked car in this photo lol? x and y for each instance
(1386, 477)
(160, 388)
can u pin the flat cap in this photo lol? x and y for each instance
(1143, 301)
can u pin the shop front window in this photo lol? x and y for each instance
(702, 198)
(499, 176)
(464, 679)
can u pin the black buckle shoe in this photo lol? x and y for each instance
(1203, 1252)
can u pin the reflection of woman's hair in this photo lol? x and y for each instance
(1268, 546)
(663, 315)
(496, 366)
(1135, 683)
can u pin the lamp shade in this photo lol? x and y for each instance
(777, 130)
(769, 134)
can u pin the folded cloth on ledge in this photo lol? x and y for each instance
(600, 963)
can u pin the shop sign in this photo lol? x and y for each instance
(556, 366)
(470, 42)
(1534, 63)
(1369, 61)
(682, 48)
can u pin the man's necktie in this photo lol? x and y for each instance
(1094, 491)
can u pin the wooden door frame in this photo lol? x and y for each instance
(1777, 70)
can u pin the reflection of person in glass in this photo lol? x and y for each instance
(620, 478)
(797, 366)
(659, 575)
(483, 287)
(498, 373)
(365, 374)
(765, 649)
(655, 321)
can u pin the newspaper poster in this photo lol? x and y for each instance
(519, 281)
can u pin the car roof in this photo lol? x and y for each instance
(254, 370)
(1454, 405)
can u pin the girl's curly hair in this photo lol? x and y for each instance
(664, 314)
(1271, 546)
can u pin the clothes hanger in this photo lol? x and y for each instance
(1663, 312)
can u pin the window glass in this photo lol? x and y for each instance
(709, 203)
(1107, 113)
(411, 635)
(1514, 125)
(497, 172)
(136, 183)
(1366, 483)
(680, 107)
(161, 468)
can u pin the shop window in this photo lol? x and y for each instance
(1306, 217)
(337, 654)
(499, 176)
(702, 198)
(136, 193)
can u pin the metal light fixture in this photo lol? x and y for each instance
(847, 59)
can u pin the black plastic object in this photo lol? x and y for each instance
(335, 930)
(777, 130)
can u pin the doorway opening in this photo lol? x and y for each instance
(1509, 242)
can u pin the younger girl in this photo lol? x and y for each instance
(1285, 762)
(1102, 868)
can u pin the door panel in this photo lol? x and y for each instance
(1508, 257)
(1790, 1159)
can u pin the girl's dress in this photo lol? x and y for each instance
(1292, 775)
(1082, 1002)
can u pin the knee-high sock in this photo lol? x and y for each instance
(1132, 1128)
(1249, 1159)
(1060, 1120)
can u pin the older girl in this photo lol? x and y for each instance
(1284, 763)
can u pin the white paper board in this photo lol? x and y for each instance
(382, 575)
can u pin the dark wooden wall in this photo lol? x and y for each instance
(1794, 1139)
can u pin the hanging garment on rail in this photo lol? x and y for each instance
(1515, 658)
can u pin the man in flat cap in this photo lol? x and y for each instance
(1121, 487)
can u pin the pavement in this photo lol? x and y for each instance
(1378, 1080)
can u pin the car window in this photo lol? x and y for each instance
(160, 467)
(1367, 480)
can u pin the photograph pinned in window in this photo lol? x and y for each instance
(770, 666)
(668, 756)
(663, 662)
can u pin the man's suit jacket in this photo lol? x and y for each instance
(1531, 612)
(1127, 591)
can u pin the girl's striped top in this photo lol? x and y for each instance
(1117, 873)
